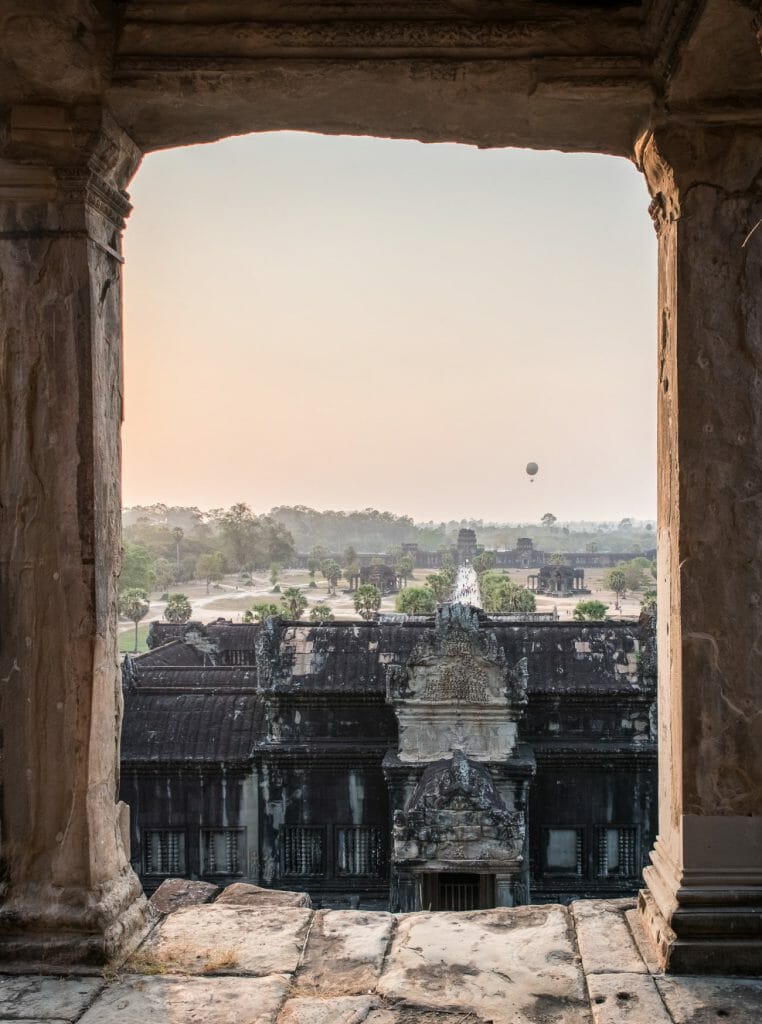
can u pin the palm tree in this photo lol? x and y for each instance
(178, 608)
(332, 572)
(133, 605)
(616, 579)
(293, 603)
(177, 535)
(321, 612)
(260, 612)
(367, 600)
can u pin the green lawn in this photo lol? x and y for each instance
(127, 639)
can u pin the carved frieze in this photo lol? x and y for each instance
(457, 815)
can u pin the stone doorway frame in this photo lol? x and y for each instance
(681, 109)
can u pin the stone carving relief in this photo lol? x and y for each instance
(458, 663)
(457, 815)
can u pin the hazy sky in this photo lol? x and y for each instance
(344, 322)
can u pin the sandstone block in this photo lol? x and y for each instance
(605, 940)
(342, 1010)
(190, 1001)
(510, 966)
(625, 999)
(32, 997)
(174, 893)
(643, 941)
(345, 952)
(245, 894)
(228, 939)
(695, 1000)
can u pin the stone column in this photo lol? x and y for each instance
(69, 893)
(703, 902)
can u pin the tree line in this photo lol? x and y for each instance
(157, 554)
(372, 530)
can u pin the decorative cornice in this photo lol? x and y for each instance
(187, 767)
(325, 758)
(554, 34)
(620, 759)
(644, 696)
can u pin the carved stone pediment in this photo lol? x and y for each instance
(459, 663)
(457, 815)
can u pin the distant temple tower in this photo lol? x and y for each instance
(467, 546)
(458, 781)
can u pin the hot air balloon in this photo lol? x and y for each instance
(532, 468)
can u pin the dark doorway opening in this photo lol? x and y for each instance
(456, 891)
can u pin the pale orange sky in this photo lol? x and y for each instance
(343, 322)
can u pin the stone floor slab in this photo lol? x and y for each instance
(341, 1010)
(35, 997)
(605, 941)
(164, 1000)
(626, 999)
(345, 952)
(509, 966)
(704, 1000)
(216, 939)
(401, 1014)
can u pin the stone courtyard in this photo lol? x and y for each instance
(261, 957)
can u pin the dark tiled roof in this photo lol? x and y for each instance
(225, 635)
(346, 658)
(193, 679)
(576, 657)
(353, 657)
(174, 654)
(200, 712)
(190, 727)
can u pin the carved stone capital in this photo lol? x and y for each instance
(58, 161)
(664, 207)
(680, 160)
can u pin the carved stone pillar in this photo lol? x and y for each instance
(69, 894)
(703, 904)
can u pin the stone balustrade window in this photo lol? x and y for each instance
(563, 850)
(617, 852)
(223, 851)
(164, 852)
(359, 851)
(303, 850)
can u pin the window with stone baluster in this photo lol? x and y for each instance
(617, 852)
(360, 850)
(163, 851)
(223, 851)
(302, 850)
